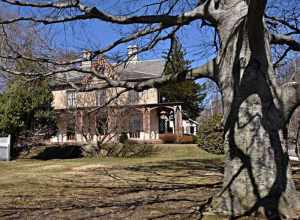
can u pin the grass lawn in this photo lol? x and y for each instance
(171, 184)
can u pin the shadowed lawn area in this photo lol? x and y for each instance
(175, 183)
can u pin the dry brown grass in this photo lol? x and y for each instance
(173, 184)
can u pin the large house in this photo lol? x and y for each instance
(143, 116)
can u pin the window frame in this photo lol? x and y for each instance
(101, 96)
(133, 97)
(71, 99)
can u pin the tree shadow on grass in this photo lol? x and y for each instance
(176, 165)
(159, 190)
(59, 152)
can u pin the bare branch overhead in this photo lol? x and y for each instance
(207, 70)
(285, 22)
(204, 11)
(285, 40)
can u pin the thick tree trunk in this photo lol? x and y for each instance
(257, 176)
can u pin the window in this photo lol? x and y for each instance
(135, 123)
(102, 125)
(164, 123)
(134, 127)
(71, 96)
(100, 97)
(192, 129)
(71, 134)
(133, 97)
(162, 99)
(134, 134)
(70, 127)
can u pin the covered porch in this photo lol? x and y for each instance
(151, 122)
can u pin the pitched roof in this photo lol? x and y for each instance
(140, 70)
(63, 79)
(131, 71)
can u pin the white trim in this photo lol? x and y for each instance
(293, 158)
(8, 147)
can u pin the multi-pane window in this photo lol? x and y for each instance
(135, 124)
(70, 127)
(134, 127)
(100, 97)
(102, 122)
(71, 97)
(133, 97)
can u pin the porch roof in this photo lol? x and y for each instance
(157, 104)
(121, 106)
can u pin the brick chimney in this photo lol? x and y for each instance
(132, 53)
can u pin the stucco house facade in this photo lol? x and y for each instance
(95, 115)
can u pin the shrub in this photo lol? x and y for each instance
(195, 139)
(171, 138)
(210, 135)
(119, 150)
(168, 138)
(184, 139)
(123, 138)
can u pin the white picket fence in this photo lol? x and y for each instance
(5, 144)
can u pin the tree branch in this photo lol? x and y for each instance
(285, 40)
(284, 22)
(208, 70)
(57, 4)
(203, 11)
(276, 64)
(95, 53)
(290, 93)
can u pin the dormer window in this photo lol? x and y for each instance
(71, 99)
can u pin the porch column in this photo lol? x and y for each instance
(146, 123)
(178, 121)
(79, 125)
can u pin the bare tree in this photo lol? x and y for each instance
(256, 108)
(104, 125)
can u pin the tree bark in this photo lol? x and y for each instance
(257, 176)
